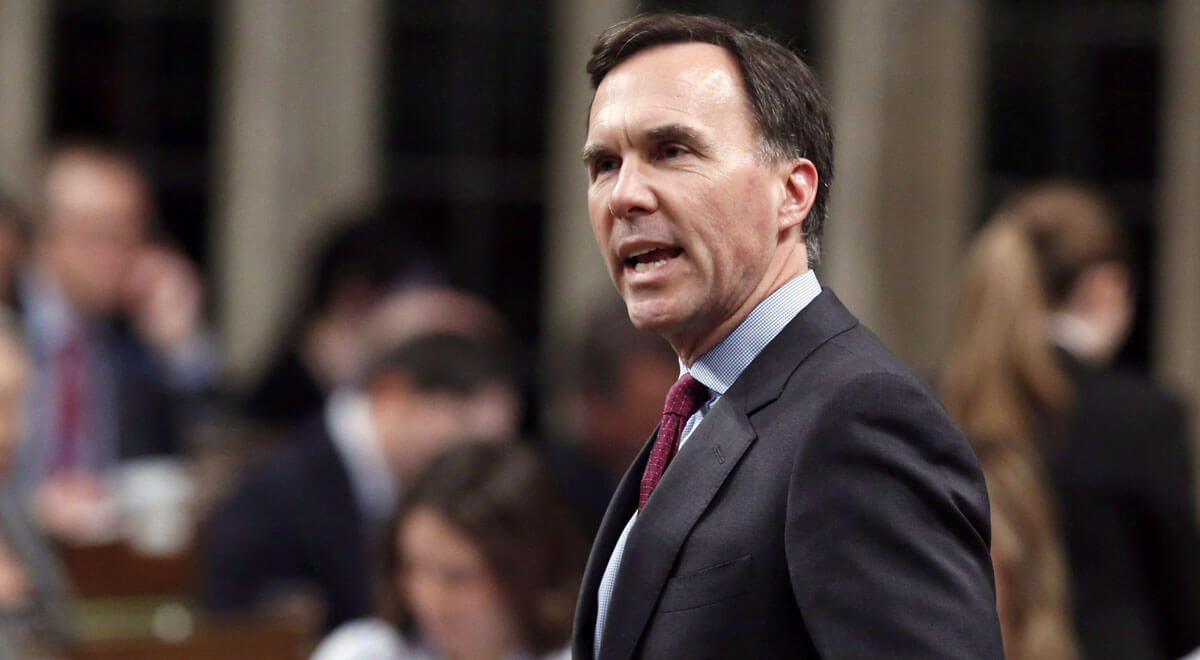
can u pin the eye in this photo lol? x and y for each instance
(669, 151)
(605, 164)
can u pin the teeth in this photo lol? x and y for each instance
(638, 254)
(645, 267)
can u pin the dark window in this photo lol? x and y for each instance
(140, 74)
(465, 113)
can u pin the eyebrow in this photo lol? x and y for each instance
(677, 133)
(665, 133)
(593, 151)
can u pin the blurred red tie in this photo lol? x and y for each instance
(71, 366)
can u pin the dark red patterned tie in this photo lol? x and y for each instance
(683, 400)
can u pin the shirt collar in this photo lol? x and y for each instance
(348, 418)
(48, 314)
(718, 368)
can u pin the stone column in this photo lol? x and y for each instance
(1177, 322)
(299, 137)
(905, 82)
(23, 67)
(575, 277)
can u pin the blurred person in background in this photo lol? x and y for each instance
(483, 562)
(303, 520)
(35, 600)
(611, 410)
(435, 308)
(113, 325)
(14, 246)
(1047, 302)
(353, 269)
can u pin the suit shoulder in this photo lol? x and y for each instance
(304, 456)
(856, 359)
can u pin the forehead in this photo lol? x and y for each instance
(671, 83)
(97, 186)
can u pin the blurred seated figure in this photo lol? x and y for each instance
(303, 520)
(614, 407)
(14, 239)
(113, 327)
(35, 601)
(483, 562)
(1047, 303)
(352, 270)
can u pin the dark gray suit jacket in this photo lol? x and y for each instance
(825, 507)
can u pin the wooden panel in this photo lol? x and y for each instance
(229, 641)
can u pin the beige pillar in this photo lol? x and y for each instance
(1177, 326)
(905, 82)
(299, 137)
(23, 27)
(575, 277)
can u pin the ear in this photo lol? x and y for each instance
(799, 192)
(1106, 283)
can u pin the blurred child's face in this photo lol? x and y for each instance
(453, 596)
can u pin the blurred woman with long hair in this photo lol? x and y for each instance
(483, 561)
(1082, 460)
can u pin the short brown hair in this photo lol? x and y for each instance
(501, 498)
(785, 97)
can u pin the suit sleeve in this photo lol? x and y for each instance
(243, 549)
(887, 532)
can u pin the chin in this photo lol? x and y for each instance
(653, 316)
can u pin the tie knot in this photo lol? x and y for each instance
(685, 397)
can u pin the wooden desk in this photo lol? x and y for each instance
(123, 595)
(231, 640)
(116, 570)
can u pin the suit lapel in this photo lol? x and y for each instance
(689, 484)
(617, 515)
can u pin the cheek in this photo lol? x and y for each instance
(598, 216)
(488, 611)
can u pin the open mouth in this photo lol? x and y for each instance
(649, 259)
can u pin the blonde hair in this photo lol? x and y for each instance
(1004, 386)
(1002, 379)
(1031, 572)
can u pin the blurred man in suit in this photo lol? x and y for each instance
(115, 333)
(304, 521)
(804, 495)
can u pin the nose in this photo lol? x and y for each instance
(632, 195)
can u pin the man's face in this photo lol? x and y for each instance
(685, 208)
(95, 222)
(413, 427)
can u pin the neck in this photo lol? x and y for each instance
(690, 346)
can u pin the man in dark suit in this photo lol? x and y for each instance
(122, 364)
(306, 521)
(804, 494)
